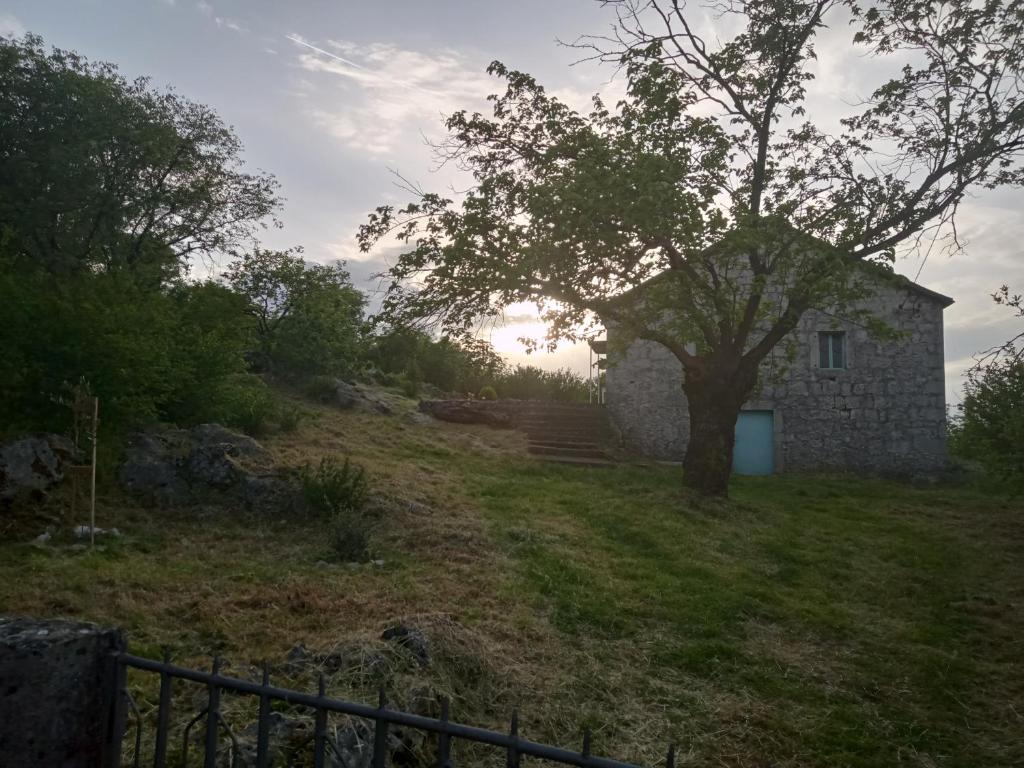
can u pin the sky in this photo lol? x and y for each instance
(336, 97)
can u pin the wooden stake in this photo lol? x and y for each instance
(92, 488)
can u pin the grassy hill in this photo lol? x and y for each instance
(807, 621)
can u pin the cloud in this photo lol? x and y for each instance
(223, 22)
(10, 26)
(381, 98)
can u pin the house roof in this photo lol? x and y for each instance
(881, 271)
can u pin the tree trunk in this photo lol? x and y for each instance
(714, 402)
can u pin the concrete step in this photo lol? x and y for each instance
(579, 453)
(561, 424)
(578, 461)
(583, 433)
(584, 445)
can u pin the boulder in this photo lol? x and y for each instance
(32, 465)
(466, 412)
(411, 639)
(152, 468)
(204, 464)
(347, 396)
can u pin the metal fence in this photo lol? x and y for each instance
(215, 724)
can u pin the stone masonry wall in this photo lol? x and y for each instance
(884, 413)
(55, 692)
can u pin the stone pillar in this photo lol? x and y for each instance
(55, 691)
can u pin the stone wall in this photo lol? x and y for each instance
(884, 413)
(55, 692)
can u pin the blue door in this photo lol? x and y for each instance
(754, 453)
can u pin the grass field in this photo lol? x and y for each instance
(808, 621)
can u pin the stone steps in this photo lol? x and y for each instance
(566, 432)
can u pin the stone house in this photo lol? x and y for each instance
(846, 402)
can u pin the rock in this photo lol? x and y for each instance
(151, 469)
(42, 539)
(466, 412)
(80, 531)
(416, 508)
(410, 638)
(31, 466)
(346, 396)
(219, 456)
(285, 732)
(352, 746)
(212, 465)
(415, 417)
(179, 468)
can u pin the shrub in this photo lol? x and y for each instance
(409, 385)
(321, 388)
(340, 491)
(334, 486)
(528, 382)
(244, 402)
(990, 427)
(289, 417)
(488, 393)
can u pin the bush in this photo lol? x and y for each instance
(408, 385)
(488, 393)
(244, 402)
(340, 491)
(322, 389)
(334, 487)
(990, 427)
(289, 417)
(528, 382)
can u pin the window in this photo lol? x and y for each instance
(832, 350)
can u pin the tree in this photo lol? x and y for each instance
(97, 172)
(308, 316)
(709, 176)
(990, 427)
(452, 364)
(108, 190)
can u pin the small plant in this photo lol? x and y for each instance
(340, 491)
(410, 387)
(488, 393)
(334, 486)
(289, 417)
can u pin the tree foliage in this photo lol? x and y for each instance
(710, 176)
(463, 365)
(99, 172)
(989, 427)
(308, 317)
(108, 190)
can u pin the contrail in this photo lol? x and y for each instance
(343, 60)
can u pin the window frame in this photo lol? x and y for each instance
(828, 337)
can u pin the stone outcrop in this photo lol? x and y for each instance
(205, 464)
(32, 465)
(468, 412)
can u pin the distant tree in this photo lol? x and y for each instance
(98, 172)
(309, 317)
(709, 174)
(989, 427)
(462, 365)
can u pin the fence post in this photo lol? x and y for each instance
(58, 691)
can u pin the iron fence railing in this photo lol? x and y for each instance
(446, 731)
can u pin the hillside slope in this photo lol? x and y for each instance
(808, 621)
